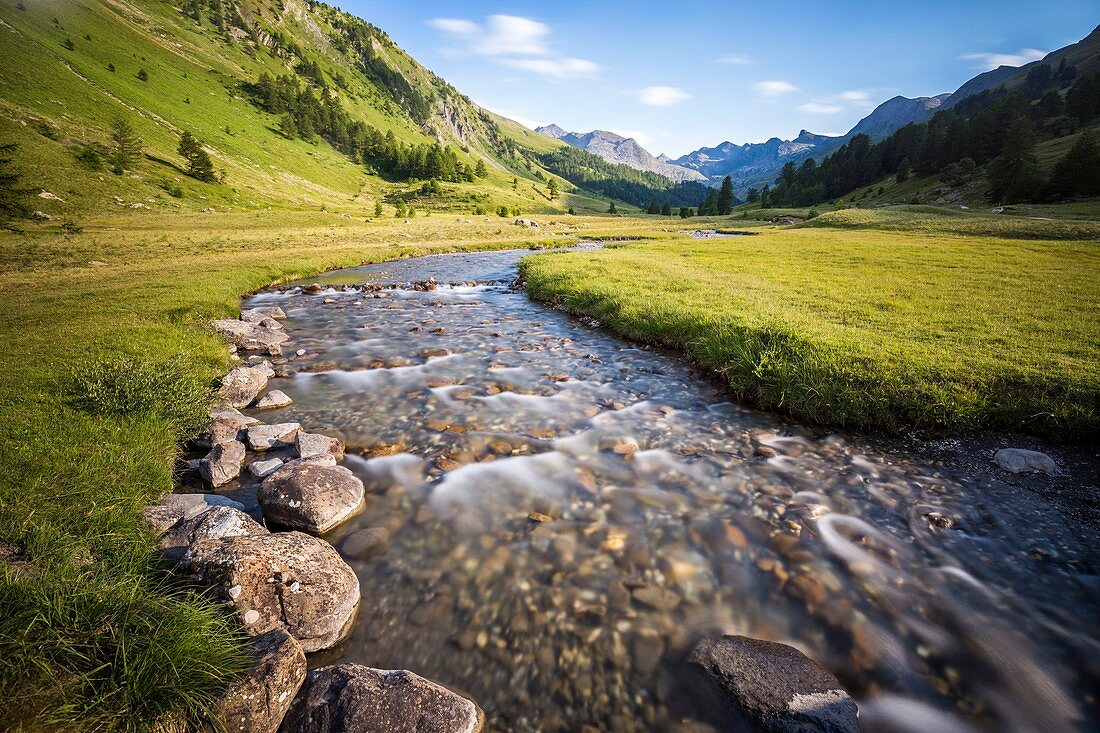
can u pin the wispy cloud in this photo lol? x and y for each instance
(662, 96)
(518, 117)
(774, 88)
(820, 108)
(735, 59)
(515, 41)
(988, 61)
(860, 99)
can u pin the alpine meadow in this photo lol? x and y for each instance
(344, 394)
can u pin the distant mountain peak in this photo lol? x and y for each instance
(624, 150)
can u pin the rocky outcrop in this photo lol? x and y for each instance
(258, 701)
(174, 507)
(252, 336)
(622, 150)
(242, 385)
(285, 580)
(1019, 460)
(353, 697)
(310, 496)
(773, 688)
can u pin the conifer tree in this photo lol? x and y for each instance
(1078, 173)
(666, 210)
(480, 170)
(126, 145)
(13, 198)
(1014, 174)
(724, 202)
(552, 189)
(611, 209)
(199, 164)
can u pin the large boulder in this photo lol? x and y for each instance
(270, 437)
(286, 580)
(252, 336)
(310, 496)
(242, 385)
(258, 701)
(774, 688)
(354, 697)
(1019, 460)
(212, 524)
(174, 507)
(226, 423)
(223, 463)
(274, 399)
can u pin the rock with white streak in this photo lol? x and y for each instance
(284, 580)
(215, 523)
(174, 507)
(242, 385)
(310, 496)
(255, 315)
(261, 469)
(273, 399)
(773, 688)
(270, 437)
(354, 697)
(252, 336)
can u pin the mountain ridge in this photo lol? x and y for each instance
(616, 148)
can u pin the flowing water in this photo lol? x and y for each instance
(555, 516)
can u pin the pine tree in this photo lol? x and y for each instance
(515, 184)
(552, 189)
(480, 170)
(724, 202)
(199, 164)
(13, 198)
(653, 207)
(1014, 174)
(1078, 173)
(288, 126)
(126, 145)
(666, 210)
(378, 207)
(611, 209)
(753, 196)
(904, 170)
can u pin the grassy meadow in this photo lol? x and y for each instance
(108, 356)
(869, 319)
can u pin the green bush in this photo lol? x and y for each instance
(124, 386)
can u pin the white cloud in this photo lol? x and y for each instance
(520, 118)
(643, 138)
(736, 59)
(988, 61)
(774, 88)
(557, 68)
(514, 41)
(820, 108)
(662, 96)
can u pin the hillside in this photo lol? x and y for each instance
(72, 69)
(623, 150)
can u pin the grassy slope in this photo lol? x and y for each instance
(870, 319)
(105, 644)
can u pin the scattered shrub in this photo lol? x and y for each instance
(125, 386)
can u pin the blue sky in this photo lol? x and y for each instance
(678, 76)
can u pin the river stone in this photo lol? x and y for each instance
(223, 463)
(257, 702)
(269, 437)
(263, 367)
(354, 697)
(310, 496)
(241, 385)
(287, 580)
(274, 398)
(251, 336)
(212, 524)
(310, 445)
(262, 469)
(226, 423)
(773, 687)
(258, 314)
(174, 507)
(365, 542)
(1018, 460)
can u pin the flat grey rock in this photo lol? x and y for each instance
(310, 496)
(266, 467)
(1019, 460)
(273, 399)
(311, 445)
(223, 463)
(269, 437)
(174, 507)
(241, 385)
(213, 524)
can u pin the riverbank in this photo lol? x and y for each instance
(842, 324)
(108, 355)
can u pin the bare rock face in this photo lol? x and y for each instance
(269, 437)
(773, 687)
(174, 507)
(310, 496)
(1019, 460)
(353, 697)
(223, 463)
(286, 580)
(242, 385)
(310, 445)
(252, 336)
(257, 702)
(212, 524)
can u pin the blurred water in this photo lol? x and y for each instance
(941, 602)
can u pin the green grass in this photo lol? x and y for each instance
(108, 357)
(868, 319)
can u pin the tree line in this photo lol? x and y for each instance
(618, 181)
(996, 130)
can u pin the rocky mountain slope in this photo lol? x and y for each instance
(622, 150)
